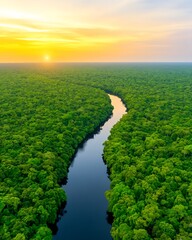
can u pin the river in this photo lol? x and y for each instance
(85, 214)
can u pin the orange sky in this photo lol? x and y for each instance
(89, 31)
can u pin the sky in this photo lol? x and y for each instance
(95, 31)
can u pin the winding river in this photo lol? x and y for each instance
(85, 214)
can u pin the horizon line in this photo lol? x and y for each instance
(79, 62)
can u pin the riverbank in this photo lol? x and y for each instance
(85, 214)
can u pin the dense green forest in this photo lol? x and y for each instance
(42, 123)
(47, 112)
(149, 155)
(149, 151)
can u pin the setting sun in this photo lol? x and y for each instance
(47, 58)
(128, 30)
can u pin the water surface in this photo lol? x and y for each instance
(85, 215)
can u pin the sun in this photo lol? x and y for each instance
(47, 58)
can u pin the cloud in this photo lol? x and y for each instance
(126, 28)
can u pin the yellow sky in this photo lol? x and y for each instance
(88, 31)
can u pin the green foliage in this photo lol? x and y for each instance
(19, 236)
(43, 233)
(149, 153)
(43, 120)
(46, 113)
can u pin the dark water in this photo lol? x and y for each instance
(85, 215)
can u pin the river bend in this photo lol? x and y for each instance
(85, 214)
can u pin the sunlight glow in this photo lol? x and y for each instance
(47, 58)
(127, 30)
